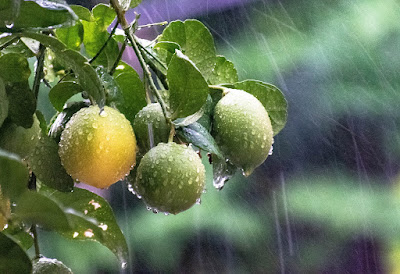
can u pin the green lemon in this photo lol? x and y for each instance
(150, 117)
(170, 178)
(49, 266)
(243, 130)
(98, 147)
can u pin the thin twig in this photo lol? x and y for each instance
(105, 44)
(112, 70)
(39, 70)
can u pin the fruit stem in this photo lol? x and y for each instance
(35, 241)
(38, 71)
(223, 89)
(171, 134)
(105, 44)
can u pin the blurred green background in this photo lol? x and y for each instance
(327, 200)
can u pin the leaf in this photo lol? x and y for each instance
(187, 87)
(9, 10)
(87, 76)
(208, 109)
(33, 207)
(63, 117)
(165, 50)
(223, 72)
(104, 15)
(13, 259)
(18, 233)
(14, 68)
(272, 99)
(42, 122)
(182, 122)
(14, 175)
(94, 38)
(124, 4)
(72, 36)
(200, 137)
(3, 103)
(46, 164)
(22, 103)
(196, 42)
(133, 94)
(41, 15)
(61, 92)
(135, 3)
(82, 12)
(94, 206)
(223, 170)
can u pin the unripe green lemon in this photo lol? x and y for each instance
(49, 266)
(151, 115)
(243, 130)
(170, 178)
(98, 148)
(19, 140)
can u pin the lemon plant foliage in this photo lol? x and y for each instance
(112, 125)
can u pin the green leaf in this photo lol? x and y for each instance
(14, 175)
(9, 10)
(19, 234)
(33, 207)
(22, 103)
(72, 36)
(165, 50)
(87, 76)
(196, 42)
(42, 122)
(188, 89)
(200, 137)
(205, 120)
(272, 99)
(61, 92)
(46, 164)
(133, 94)
(104, 15)
(82, 12)
(94, 38)
(13, 259)
(135, 3)
(224, 72)
(14, 68)
(3, 103)
(41, 15)
(94, 206)
(223, 170)
(61, 120)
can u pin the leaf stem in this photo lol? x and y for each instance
(112, 70)
(35, 241)
(105, 44)
(39, 71)
(153, 24)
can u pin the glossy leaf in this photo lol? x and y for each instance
(33, 207)
(196, 42)
(14, 68)
(14, 175)
(41, 15)
(3, 103)
(9, 10)
(94, 206)
(188, 90)
(19, 234)
(46, 164)
(200, 137)
(82, 12)
(42, 122)
(61, 92)
(165, 50)
(71, 36)
(223, 72)
(104, 15)
(272, 99)
(133, 94)
(22, 103)
(87, 76)
(13, 259)
(59, 123)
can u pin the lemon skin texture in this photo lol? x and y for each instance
(151, 114)
(170, 178)
(98, 148)
(243, 130)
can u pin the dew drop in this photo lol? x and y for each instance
(198, 201)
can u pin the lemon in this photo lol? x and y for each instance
(170, 178)
(243, 130)
(151, 116)
(97, 147)
(49, 266)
